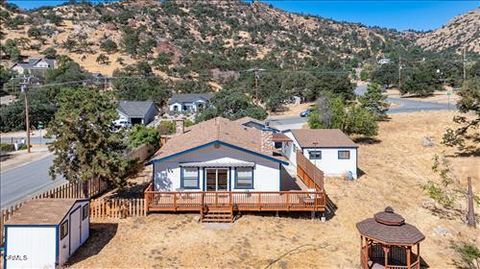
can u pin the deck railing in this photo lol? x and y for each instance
(240, 201)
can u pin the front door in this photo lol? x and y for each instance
(217, 179)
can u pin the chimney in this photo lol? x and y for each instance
(179, 126)
(267, 140)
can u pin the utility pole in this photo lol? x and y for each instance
(399, 72)
(24, 89)
(256, 77)
(464, 63)
(470, 212)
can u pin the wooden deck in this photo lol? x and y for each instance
(157, 201)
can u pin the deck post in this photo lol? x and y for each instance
(312, 215)
(323, 218)
(277, 214)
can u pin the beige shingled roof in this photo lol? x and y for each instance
(311, 138)
(217, 129)
(42, 211)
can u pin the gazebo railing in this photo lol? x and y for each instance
(396, 258)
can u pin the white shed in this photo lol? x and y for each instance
(44, 233)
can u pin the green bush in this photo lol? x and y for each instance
(141, 134)
(6, 147)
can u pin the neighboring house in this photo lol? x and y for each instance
(33, 65)
(218, 155)
(185, 103)
(257, 124)
(136, 112)
(330, 150)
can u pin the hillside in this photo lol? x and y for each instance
(189, 37)
(462, 31)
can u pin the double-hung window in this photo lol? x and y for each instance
(343, 154)
(315, 155)
(190, 178)
(244, 178)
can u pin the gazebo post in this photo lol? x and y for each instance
(386, 250)
(408, 256)
(418, 255)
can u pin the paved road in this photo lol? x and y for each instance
(18, 183)
(404, 105)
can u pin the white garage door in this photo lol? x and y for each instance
(31, 247)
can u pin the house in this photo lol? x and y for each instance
(44, 233)
(185, 103)
(135, 112)
(257, 124)
(218, 155)
(218, 167)
(330, 150)
(33, 65)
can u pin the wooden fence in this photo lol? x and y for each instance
(309, 173)
(117, 208)
(141, 153)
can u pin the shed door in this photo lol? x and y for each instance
(75, 229)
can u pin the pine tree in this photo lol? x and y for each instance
(374, 101)
(85, 146)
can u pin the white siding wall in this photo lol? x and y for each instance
(123, 117)
(38, 244)
(289, 149)
(331, 165)
(266, 172)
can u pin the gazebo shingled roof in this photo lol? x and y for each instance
(390, 228)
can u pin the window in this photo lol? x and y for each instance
(85, 211)
(190, 178)
(244, 178)
(343, 154)
(315, 155)
(294, 147)
(64, 229)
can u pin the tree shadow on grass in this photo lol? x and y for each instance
(100, 236)
(363, 140)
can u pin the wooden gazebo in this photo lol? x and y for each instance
(388, 242)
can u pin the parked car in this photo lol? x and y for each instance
(305, 113)
(122, 124)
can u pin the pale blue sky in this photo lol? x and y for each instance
(400, 14)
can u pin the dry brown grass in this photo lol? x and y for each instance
(395, 169)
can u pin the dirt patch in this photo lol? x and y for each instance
(395, 167)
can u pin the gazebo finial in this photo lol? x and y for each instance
(389, 209)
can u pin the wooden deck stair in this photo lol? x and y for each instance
(217, 214)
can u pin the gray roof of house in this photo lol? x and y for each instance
(189, 97)
(135, 108)
(32, 61)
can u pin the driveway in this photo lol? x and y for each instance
(17, 184)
